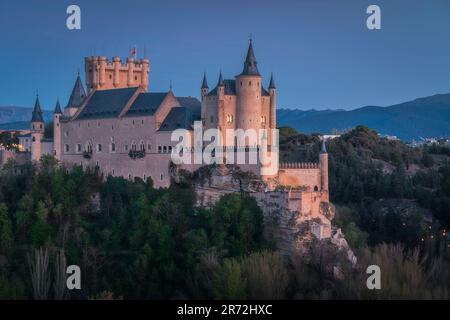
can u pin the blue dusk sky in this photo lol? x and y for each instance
(320, 51)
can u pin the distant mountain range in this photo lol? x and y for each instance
(13, 117)
(424, 117)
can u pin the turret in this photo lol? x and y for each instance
(37, 131)
(273, 103)
(76, 98)
(323, 159)
(57, 131)
(248, 92)
(204, 88)
(220, 87)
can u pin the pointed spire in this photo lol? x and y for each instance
(324, 148)
(220, 82)
(205, 82)
(37, 112)
(57, 108)
(272, 82)
(170, 86)
(78, 94)
(250, 64)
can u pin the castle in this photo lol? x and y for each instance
(125, 129)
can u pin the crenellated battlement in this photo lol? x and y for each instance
(102, 74)
(299, 165)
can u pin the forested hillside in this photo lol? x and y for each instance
(133, 241)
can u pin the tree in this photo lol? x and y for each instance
(229, 282)
(6, 232)
(267, 275)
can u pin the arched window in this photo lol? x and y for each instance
(263, 119)
(316, 188)
(229, 118)
(66, 148)
(142, 146)
(99, 147)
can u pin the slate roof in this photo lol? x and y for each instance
(250, 64)
(106, 103)
(146, 103)
(230, 89)
(110, 103)
(37, 112)
(204, 82)
(180, 118)
(57, 108)
(78, 94)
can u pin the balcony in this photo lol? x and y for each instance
(87, 154)
(136, 154)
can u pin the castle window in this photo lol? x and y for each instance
(112, 171)
(66, 148)
(112, 127)
(34, 139)
(229, 118)
(129, 176)
(78, 148)
(249, 83)
(212, 119)
(149, 147)
(161, 177)
(165, 149)
(241, 83)
(316, 188)
(40, 126)
(133, 146)
(99, 147)
(159, 149)
(113, 147)
(135, 78)
(263, 119)
(170, 149)
(142, 121)
(110, 76)
(66, 133)
(126, 147)
(96, 163)
(142, 146)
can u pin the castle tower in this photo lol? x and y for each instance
(76, 98)
(273, 107)
(102, 74)
(273, 103)
(248, 92)
(57, 131)
(221, 104)
(205, 88)
(323, 160)
(37, 131)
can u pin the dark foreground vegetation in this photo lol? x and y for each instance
(133, 241)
